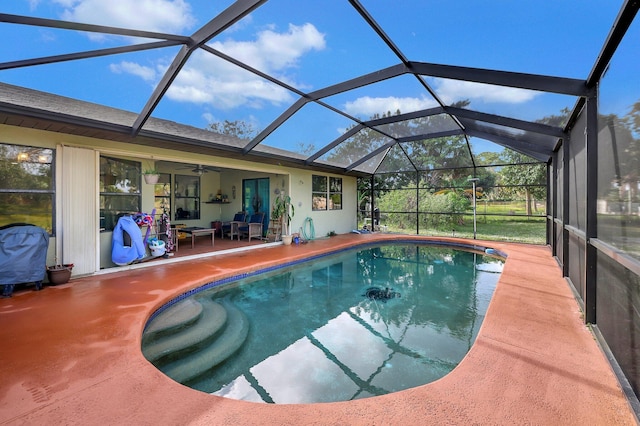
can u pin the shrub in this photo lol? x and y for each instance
(439, 211)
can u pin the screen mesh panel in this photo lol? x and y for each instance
(577, 175)
(576, 263)
(617, 307)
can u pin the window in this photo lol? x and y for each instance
(120, 182)
(319, 192)
(335, 193)
(187, 197)
(326, 193)
(162, 193)
(27, 186)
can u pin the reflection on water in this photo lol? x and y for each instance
(315, 337)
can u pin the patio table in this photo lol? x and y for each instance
(196, 232)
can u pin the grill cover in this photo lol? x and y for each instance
(23, 254)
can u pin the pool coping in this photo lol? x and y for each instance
(534, 360)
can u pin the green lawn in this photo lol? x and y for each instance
(509, 207)
(513, 228)
(511, 225)
(532, 231)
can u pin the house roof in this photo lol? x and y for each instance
(294, 134)
(24, 107)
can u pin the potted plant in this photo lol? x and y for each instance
(283, 210)
(59, 274)
(151, 176)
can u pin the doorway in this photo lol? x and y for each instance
(255, 199)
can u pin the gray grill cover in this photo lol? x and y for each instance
(23, 254)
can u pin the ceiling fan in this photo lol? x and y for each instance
(199, 169)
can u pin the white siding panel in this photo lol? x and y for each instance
(78, 209)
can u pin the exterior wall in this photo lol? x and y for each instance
(296, 182)
(339, 221)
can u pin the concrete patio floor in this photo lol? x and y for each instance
(70, 354)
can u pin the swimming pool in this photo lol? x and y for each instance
(354, 324)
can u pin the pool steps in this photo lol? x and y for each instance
(198, 345)
(182, 314)
(193, 333)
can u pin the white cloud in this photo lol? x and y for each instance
(47, 36)
(169, 16)
(448, 90)
(206, 79)
(209, 118)
(146, 73)
(273, 51)
(33, 4)
(65, 3)
(367, 106)
(454, 90)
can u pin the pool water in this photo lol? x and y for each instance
(355, 324)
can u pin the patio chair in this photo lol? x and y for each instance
(231, 228)
(253, 228)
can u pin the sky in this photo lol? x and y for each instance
(310, 45)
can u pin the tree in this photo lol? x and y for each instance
(631, 162)
(530, 178)
(380, 186)
(443, 159)
(633, 119)
(619, 164)
(238, 128)
(556, 120)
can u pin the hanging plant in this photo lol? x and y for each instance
(151, 176)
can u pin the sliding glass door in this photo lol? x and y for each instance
(255, 198)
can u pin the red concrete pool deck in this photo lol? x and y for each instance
(71, 355)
